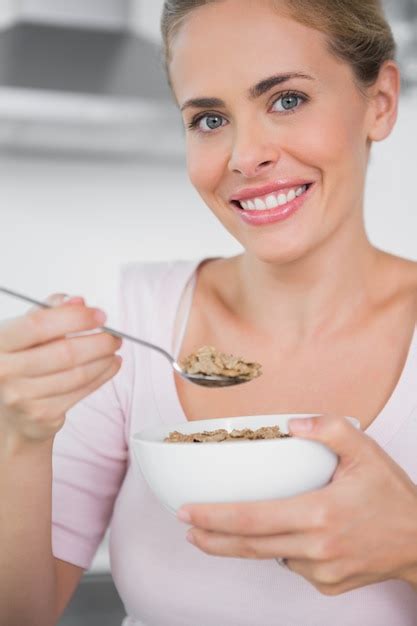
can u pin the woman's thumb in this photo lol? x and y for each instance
(340, 434)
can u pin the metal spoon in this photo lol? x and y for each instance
(199, 379)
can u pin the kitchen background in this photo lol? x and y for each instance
(92, 171)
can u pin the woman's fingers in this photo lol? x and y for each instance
(337, 433)
(59, 299)
(308, 554)
(330, 578)
(49, 361)
(66, 401)
(302, 512)
(23, 389)
(62, 354)
(296, 546)
(40, 419)
(39, 326)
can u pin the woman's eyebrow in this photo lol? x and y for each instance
(254, 92)
(203, 103)
(272, 81)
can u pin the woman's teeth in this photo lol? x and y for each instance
(271, 201)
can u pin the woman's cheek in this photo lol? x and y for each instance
(341, 137)
(319, 143)
(204, 165)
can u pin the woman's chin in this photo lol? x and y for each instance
(279, 253)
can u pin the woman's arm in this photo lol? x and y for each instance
(27, 575)
(410, 576)
(43, 373)
(34, 586)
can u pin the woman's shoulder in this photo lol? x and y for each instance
(141, 284)
(148, 274)
(144, 269)
(415, 285)
(408, 275)
(401, 277)
(145, 287)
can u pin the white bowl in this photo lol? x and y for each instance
(231, 471)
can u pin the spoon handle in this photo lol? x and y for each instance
(106, 329)
(15, 294)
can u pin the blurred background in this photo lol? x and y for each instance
(92, 170)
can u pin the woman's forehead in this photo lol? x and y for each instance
(219, 42)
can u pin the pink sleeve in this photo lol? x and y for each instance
(89, 463)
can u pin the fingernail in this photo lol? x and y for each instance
(303, 425)
(190, 538)
(100, 316)
(184, 516)
(73, 300)
(56, 299)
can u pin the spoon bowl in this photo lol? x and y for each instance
(206, 380)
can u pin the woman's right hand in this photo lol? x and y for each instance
(44, 372)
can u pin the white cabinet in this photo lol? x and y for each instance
(140, 16)
(94, 13)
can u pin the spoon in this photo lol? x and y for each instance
(204, 380)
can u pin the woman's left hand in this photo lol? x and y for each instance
(359, 529)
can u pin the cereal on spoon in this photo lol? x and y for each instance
(210, 362)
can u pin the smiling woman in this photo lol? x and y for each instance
(314, 109)
(281, 103)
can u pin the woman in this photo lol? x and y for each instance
(281, 103)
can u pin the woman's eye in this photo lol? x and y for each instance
(207, 123)
(289, 102)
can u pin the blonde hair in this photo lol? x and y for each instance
(357, 30)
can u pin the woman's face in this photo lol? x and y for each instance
(273, 120)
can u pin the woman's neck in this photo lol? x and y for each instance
(316, 295)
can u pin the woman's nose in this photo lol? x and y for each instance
(254, 153)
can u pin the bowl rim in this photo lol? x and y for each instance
(137, 437)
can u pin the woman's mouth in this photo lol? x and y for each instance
(272, 207)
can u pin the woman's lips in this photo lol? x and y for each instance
(272, 188)
(277, 214)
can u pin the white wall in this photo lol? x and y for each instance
(7, 12)
(67, 226)
(391, 206)
(145, 17)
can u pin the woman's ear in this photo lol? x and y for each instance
(384, 96)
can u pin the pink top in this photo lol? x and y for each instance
(161, 578)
